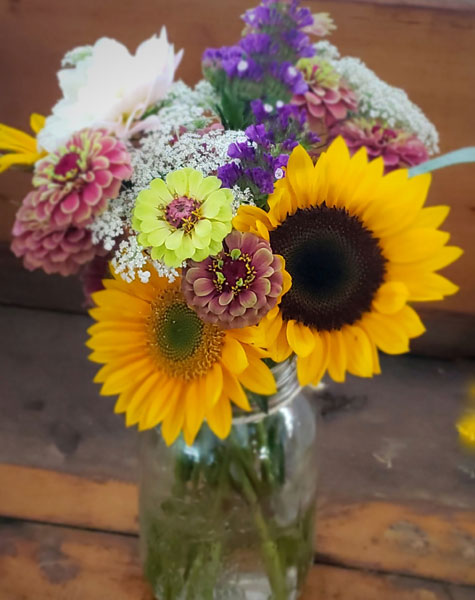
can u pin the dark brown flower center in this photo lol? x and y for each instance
(336, 266)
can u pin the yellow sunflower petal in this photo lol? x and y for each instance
(310, 369)
(409, 321)
(280, 349)
(391, 297)
(233, 356)
(300, 337)
(122, 378)
(432, 217)
(358, 350)
(213, 384)
(234, 390)
(414, 245)
(248, 216)
(173, 423)
(123, 302)
(337, 355)
(142, 400)
(195, 409)
(397, 202)
(385, 332)
(163, 397)
(338, 162)
(220, 418)
(299, 171)
(258, 377)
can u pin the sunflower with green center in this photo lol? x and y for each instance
(166, 364)
(359, 246)
(185, 216)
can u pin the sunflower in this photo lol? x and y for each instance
(19, 148)
(166, 364)
(359, 246)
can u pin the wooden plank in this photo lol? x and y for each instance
(388, 448)
(423, 539)
(57, 563)
(105, 504)
(397, 42)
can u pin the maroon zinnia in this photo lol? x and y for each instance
(399, 149)
(237, 287)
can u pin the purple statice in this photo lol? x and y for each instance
(270, 13)
(260, 160)
(262, 63)
(258, 43)
(290, 76)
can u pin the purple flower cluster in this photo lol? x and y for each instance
(268, 14)
(267, 54)
(259, 160)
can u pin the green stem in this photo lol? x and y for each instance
(269, 548)
(266, 465)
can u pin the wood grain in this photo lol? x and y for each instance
(421, 539)
(423, 50)
(58, 563)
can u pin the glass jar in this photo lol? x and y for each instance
(233, 519)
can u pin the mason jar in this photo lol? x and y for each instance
(233, 519)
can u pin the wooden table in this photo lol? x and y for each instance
(397, 493)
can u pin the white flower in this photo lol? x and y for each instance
(111, 88)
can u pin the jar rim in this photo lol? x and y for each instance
(288, 387)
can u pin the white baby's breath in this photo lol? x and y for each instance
(175, 144)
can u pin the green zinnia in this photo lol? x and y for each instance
(185, 216)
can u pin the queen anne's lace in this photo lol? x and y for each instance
(178, 142)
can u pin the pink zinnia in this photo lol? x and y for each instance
(237, 287)
(63, 251)
(74, 183)
(328, 99)
(399, 149)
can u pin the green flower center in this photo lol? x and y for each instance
(185, 346)
(179, 332)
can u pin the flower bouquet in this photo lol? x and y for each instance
(236, 241)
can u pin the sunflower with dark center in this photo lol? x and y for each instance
(167, 365)
(238, 286)
(359, 245)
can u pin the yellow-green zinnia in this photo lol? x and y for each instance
(187, 216)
